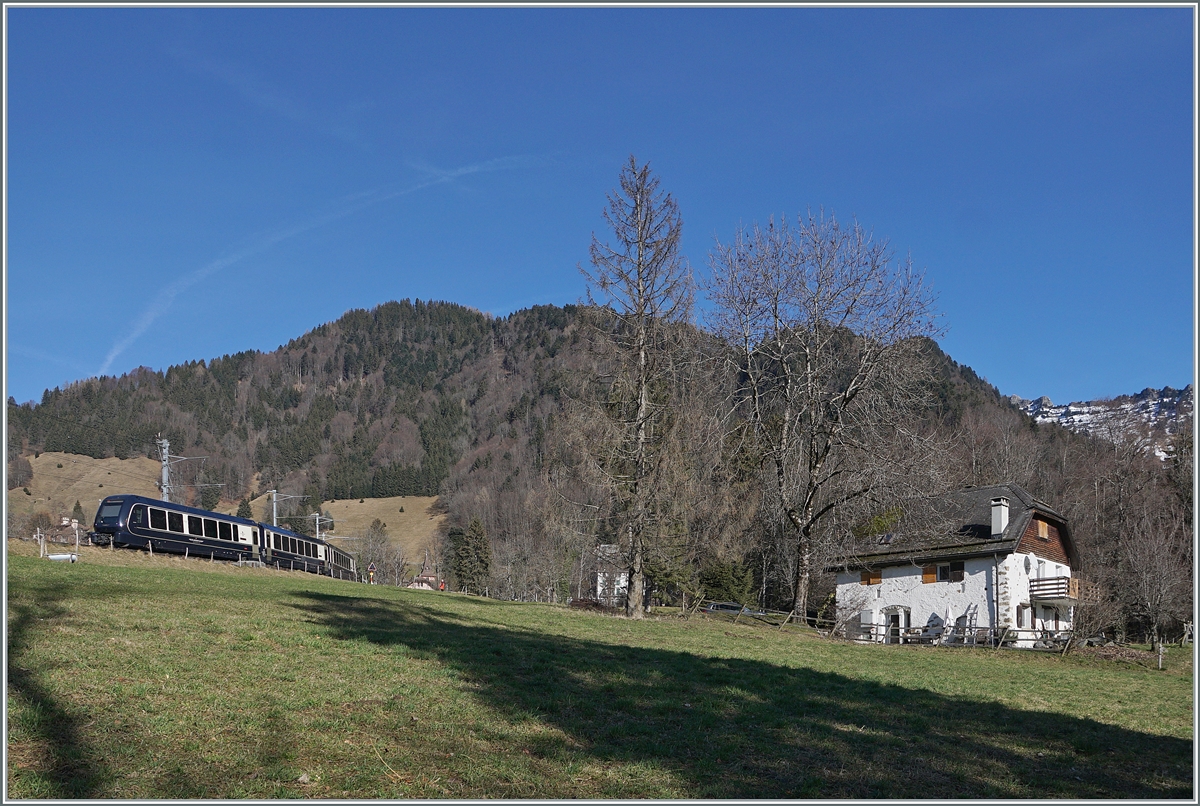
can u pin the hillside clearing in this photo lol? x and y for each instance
(55, 489)
(132, 678)
(61, 479)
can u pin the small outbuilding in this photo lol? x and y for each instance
(426, 580)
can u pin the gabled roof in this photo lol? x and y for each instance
(956, 526)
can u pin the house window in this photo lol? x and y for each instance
(1020, 617)
(871, 577)
(1043, 530)
(950, 572)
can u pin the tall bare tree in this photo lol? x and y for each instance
(825, 329)
(644, 289)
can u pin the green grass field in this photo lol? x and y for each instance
(137, 678)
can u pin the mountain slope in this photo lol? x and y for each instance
(1159, 413)
(379, 403)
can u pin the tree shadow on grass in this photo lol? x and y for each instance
(730, 728)
(70, 768)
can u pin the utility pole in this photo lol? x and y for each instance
(319, 517)
(275, 496)
(164, 450)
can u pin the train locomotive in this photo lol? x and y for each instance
(134, 521)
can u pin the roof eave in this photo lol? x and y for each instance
(922, 556)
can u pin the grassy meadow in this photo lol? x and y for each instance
(137, 677)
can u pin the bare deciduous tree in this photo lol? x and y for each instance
(824, 326)
(1156, 564)
(645, 288)
(374, 546)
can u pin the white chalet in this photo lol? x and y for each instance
(995, 563)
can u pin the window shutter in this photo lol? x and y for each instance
(929, 574)
(876, 577)
(865, 578)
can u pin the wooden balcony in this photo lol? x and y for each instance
(1067, 590)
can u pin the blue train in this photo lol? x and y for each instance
(138, 522)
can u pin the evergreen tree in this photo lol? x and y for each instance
(481, 553)
(728, 581)
(471, 557)
(210, 497)
(77, 513)
(244, 510)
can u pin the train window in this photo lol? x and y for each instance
(137, 517)
(158, 519)
(292, 545)
(195, 526)
(254, 536)
(278, 543)
(175, 521)
(226, 530)
(109, 510)
(210, 528)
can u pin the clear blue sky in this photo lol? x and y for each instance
(185, 183)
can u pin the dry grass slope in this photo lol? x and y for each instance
(61, 479)
(414, 529)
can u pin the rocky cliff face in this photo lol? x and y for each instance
(1158, 413)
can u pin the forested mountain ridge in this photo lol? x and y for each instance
(377, 403)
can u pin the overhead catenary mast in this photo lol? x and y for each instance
(164, 450)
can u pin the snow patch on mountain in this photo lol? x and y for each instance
(1157, 413)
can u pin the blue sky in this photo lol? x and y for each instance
(185, 183)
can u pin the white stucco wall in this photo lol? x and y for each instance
(1018, 577)
(901, 589)
(901, 586)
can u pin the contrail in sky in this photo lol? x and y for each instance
(350, 205)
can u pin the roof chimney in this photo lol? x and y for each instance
(999, 516)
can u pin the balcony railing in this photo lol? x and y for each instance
(1071, 589)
